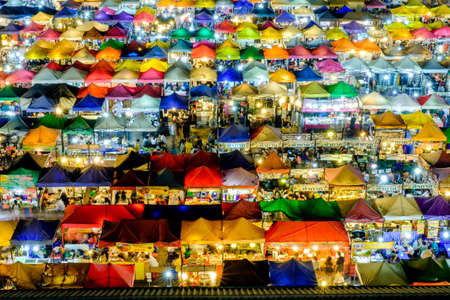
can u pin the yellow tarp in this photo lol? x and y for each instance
(244, 90)
(159, 43)
(245, 25)
(421, 11)
(109, 53)
(6, 232)
(344, 176)
(267, 134)
(205, 3)
(343, 45)
(313, 90)
(401, 35)
(130, 64)
(59, 275)
(63, 50)
(36, 52)
(395, 26)
(154, 63)
(272, 89)
(228, 43)
(276, 52)
(290, 32)
(335, 33)
(84, 56)
(430, 133)
(201, 231)
(242, 230)
(24, 276)
(272, 162)
(203, 74)
(149, 10)
(41, 137)
(126, 75)
(417, 25)
(72, 35)
(42, 18)
(416, 120)
(86, 26)
(388, 120)
(441, 11)
(270, 33)
(402, 11)
(282, 76)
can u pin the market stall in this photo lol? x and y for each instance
(345, 183)
(239, 184)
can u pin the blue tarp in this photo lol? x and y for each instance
(311, 24)
(234, 134)
(242, 7)
(34, 232)
(233, 160)
(230, 75)
(56, 176)
(183, 212)
(263, 11)
(156, 52)
(174, 101)
(94, 176)
(307, 74)
(203, 91)
(285, 17)
(203, 17)
(66, 13)
(292, 273)
(343, 10)
(18, 12)
(89, 103)
(41, 104)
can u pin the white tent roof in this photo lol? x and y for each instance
(404, 102)
(381, 65)
(73, 75)
(435, 102)
(145, 103)
(355, 64)
(375, 100)
(46, 75)
(141, 123)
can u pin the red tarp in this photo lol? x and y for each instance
(201, 158)
(119, 92)
(116, 33)
(32, 28)
(174, 163)
(241, 209)
(152, 91)
(307, 232)
(55, 67)
(225, 27)
(203, 177)
(444, 160)
(110, 276)
(138, 232)
(362, 212)
(98, 76)
(323, 51)
(49, 35)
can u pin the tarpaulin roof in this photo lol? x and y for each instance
(355, 64)
(89, 103)
(291, 208)
(434, 208)
(92, 216)
(313, 90)
(141, 123)
(429, 269)
(201, 158)
(299, 52)
(416, 120)
(201, 231)
(335, 33)
(345, 175)
(109, 123)
(177, 74)
(271, 162)
(375, 100)
(52, 121)
(398, 208)
(430, 133)
(282, 76)
(203, 91)
(307, 74)
(14, 125)
(362, 212)
(292, 273)
(248, 33)
(388, 120)
(130, 179)
(230, 75)
(34, 231)
(329, 66)
(174, 101)
(93, 176)
(245, 273)
(239, 177)
(78, 126)
(343, 45)
(234, 134)
(110, 276)
(40, 137)
(273, 88)
(130, 161)
(381, 66)
(432, 101)
(311, 209)
(24, 276)
(307, 232)
(56, 176)
(241, 209)
(6, 232)
(404, 102)
(342, 89)
(11, 93)
(276, 52)
(241, 230)
(203, 177)
(181, 33)
(266, 133)
(174, 163)
(285, 17)
(137, 232)
(203, 74)
(235, 159)
(26, 161)
(381, 273)
(57, 275)
(20, 76)
(255, 74)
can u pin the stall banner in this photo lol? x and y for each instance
(420, 186)
(402, 157)
(406, 231)
(394, 141)
(299, 172)
(298, 143)
(331, 143)
(336, 157)
(267, 145)
(314, 187)
(372, 144)
(271, 175)
(372, 245)
(420, 227)
(235, 146)
(433, 229)
(16, 181)
(389, 188)
(125, 247)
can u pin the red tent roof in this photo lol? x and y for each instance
(98, 76)
(143, 17)
(299, 52)
(55, 67)
(93, 90)
(102, 65)
(152, 91)
(203, 177)
(110, 276)
(116, 33)
(307, 232)
(203, 51)
(151, 76)
(241, 209)
(119, 92)
(362, 212)
(174, 163)
(201, 158)
(32, 28)
(225, 27)
(323, 51)
(92, 216)
(50, 35)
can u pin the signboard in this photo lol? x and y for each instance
(395, 141)
(235, 145)
(299, 172)
(419, 186)
(406, 231)
(314, 187)
(331, 143)
(336, 157)
(420, 227)
(16, 181)
(263, 176)
(372, 245)
(389, 188)
(298, 144)
(433, 229)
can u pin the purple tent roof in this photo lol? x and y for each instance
(434, 208)
(94, 176)
(55, 177)
(285, 17)
(353, 27)
(123, 17)
(102, 16)
(203, 16)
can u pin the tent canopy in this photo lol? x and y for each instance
(234, 134)
(203, 177)
(381, 273)
(239, 177)
(241, 209)
(245, 273)
(292, 273)
(235, 159)
(388, 120)
(7, 229)
(430, 133)
(426, 270)
(362, 212)
(110, 276)
(344, 176)
(34, 232)
(201, 231)
(434, 208)
(174, 163)
(398, 208)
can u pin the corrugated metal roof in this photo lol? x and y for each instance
(232, 293)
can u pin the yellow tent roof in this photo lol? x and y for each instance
(159, 43)
(282, 76)
(63, 50)
(270, 33)
(401, 35)
(344, 176)
(201, 231)
(6, 231)
(414, 3)
(42, 18)
(45, 44)
(436, 25)
(401, 11)
(71, 34)
(245, 25)
(272, 89)
(205, 3)
(313, 32)
(227, 43)
(335, 33)
(416, 120)
(154, 63)
(395, 26)
(36, 52)
(41, 137)
(86, 26)
(441, 10)
(125, 75)
(388, 120)
(84, 56)
(430, 133)
(398, 208)
(242, 230)
(130, 64)
(290, 32)
(149, 10)
(203, 74)
(244, 90)
(267, 134)
(272, 162)
(313, 90)
(417, 24)
(421, 11)
(343, 45)
(24, 276)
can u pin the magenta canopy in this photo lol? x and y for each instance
(329, 66)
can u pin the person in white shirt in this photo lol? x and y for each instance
(60, 205)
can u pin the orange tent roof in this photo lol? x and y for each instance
(282, 76)
(203, 51)
(368, 46)
(109, 53)
(93, 90)
(388, 120)
(343, 45)
(103, 64)
(307, 232)
(272, 162)
(40, 137)
(345, 175)
(276, 52)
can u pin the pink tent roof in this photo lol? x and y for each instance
(376, 4)
(239, 177)
(323, 51)
(49, 35)
(32, 28)
(116, 33)
(144, 17)
(151, 76)
(20, 76)
(329, 66)
(299, 52)
(98, 76)
(204, 43)
(422, 33)
(443, 32)
(106, 10)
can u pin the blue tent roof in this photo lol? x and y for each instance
(203, 16)
(18, 12)
(234, 134)
(242, 7)
(343, 10)
(34, 232)
(233, 160)
(174, 101)
(55, 177)
(183, 212)
(66, 13)
(307, 74)
(41, 104)
(89, 103)
(311, 24)
(285, 17)
(263, 11)
(10, 28)
(156, 52)
(203, 91)
(181, 46)
(229, 74)
(327, 16)
(321, 10)
(94, 176)
(292, 273)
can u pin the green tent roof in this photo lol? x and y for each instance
(52, 121)
(426, 270)
(25, 172)
(342, 89)
(10, 93)
(447, 134)
(291, 208)
(204, 34)
(113, 44)
(381, 273)
(181, 46)
(311, 209)
(78, 126)
(181, 34)
(228, 53)
(252, 52)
